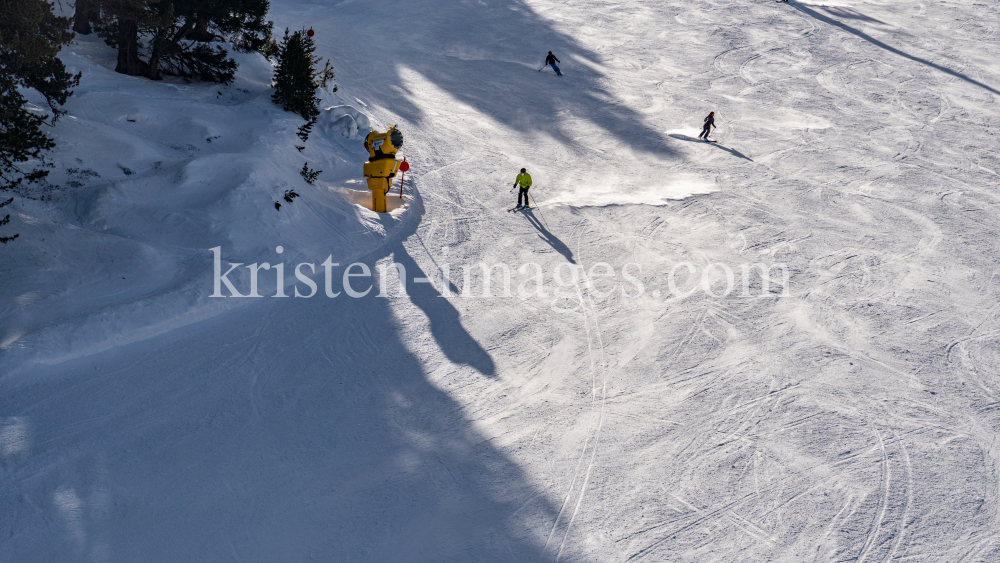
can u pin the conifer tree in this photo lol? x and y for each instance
(30, 37)
(87, 12)
(241, 22)
(296, 79)
(175, 35)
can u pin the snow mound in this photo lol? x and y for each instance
(345, 120)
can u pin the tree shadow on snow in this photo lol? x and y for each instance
(825, 19)
(848, 13)
(490, 62)
(451, 337)
(288, 430)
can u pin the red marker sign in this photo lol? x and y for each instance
(310, 33)
(403, 167)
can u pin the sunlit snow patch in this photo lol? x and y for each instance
(10, 339)
(363, 197)
(15, 437)
(679, 186)
(783, 119)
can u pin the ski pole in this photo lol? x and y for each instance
(539, 210)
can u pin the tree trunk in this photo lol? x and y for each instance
(162, 42)
(81, 20)
(156, 53)
(201, 32)
(153, 68)
(128, 49)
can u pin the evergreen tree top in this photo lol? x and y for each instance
(296, 78)
(30, 37)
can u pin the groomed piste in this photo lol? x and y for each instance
(782, 346)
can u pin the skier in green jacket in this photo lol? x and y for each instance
(524, 180)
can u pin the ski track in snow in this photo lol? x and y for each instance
(853, 420)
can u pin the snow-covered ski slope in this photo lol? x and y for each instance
(852, 419)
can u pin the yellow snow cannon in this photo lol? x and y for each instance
(382, 165)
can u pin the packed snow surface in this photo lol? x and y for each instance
(642, 393)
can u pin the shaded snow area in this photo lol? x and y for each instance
(150, 175)
(642, 393)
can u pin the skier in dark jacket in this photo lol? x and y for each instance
(551, 60)
(709, 123)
